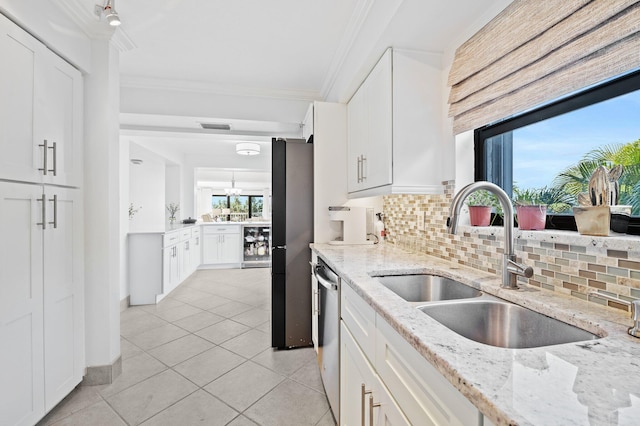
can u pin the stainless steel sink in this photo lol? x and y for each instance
(427, 288)
(503, 324)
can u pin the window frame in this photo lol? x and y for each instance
(249, 204)
(610, 89)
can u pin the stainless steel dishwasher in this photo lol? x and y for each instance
(328, 305)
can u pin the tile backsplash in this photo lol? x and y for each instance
(563, 261)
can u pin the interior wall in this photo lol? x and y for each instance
(147, 191)
(173, 194)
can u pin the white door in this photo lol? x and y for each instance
(356, 133)
(196, 252)
(363, 397)
(185, 264)
(21, 301)
(58, 119)
(210, 248)
(63, 294)
(20, 156)
(229, 248)
(377, 166)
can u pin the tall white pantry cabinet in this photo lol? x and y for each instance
(41, 228)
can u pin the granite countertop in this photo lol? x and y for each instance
(178, 226)
(584, 383)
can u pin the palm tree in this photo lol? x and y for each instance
(575, 179)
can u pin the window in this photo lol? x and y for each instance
(552, 151)
(241, 207)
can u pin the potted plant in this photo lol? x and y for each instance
(480, 205)
(530, 210)
(172, 208)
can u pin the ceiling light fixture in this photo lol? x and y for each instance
(233, 190)
(109, 12)
(246, 148)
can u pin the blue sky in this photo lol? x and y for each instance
(544, 149)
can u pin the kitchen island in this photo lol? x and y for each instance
(160, 261)
(590, 382)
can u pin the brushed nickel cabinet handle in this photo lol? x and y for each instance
(45, 152)
(371, 406)
(44, 212)
(363, 392)
(55, 159)
(54, 200)
(364, 176)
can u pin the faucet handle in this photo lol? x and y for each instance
(635, 316)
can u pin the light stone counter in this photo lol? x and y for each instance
(588, 383)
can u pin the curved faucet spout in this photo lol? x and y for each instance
(509, 267)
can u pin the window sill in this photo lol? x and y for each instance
(614, 241)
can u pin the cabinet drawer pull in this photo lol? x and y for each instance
(55, 159)
(44, 212)
(371, 406)
(363, 392)
(359, 168)
(45, 153)
(54, 200)
(363, 174)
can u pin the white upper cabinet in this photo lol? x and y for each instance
(394, 127)
(307, 124)
(40, 112)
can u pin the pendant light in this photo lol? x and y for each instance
(233, 190)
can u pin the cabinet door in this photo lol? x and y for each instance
(59, 119)
(20, 157)
(185, 261)
(21, 300)
(377, 164)
(363, 398)
(230, 248)
(63, 294)
(357, 135)
(210, 248)
(370, 130)
(196, 252)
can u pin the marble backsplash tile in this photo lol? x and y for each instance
(573, 269)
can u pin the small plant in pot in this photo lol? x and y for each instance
(530, 209)
(480, 204)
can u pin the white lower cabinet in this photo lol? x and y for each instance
(159, 262)
(406, 388)
(427, 398)
(221, 245)
(41, 299)
(364, 400)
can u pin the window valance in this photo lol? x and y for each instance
(535, 51)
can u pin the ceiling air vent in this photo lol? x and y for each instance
(214, 126)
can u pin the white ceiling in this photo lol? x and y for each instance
(289, 49)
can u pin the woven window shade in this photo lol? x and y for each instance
(535, 51)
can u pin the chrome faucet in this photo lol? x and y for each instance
(509, 266)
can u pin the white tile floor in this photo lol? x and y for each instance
(202, 356)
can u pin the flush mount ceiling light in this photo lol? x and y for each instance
(109, 12)
(246, 148)
(233, 190)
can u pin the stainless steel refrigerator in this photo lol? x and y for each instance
(291, 233)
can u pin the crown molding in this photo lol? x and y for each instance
(358, 17)
(92, 25)
(149, 83)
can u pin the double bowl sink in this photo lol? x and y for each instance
(481, 317)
